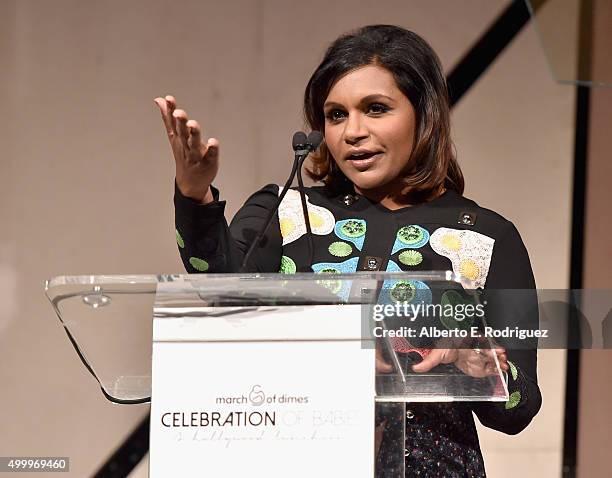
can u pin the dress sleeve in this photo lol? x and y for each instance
(208, 244)
(511, 301)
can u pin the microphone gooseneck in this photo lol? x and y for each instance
(305, 212)
(302, 146)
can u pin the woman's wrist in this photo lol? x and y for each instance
(196, 195)
(208, 197)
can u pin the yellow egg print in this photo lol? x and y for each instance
(291, 217)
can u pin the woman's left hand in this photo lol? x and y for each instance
(476, 362)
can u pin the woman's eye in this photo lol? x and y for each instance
(374, 108)
(334, 115)
(377, 108)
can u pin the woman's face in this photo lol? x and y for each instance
(369, 128)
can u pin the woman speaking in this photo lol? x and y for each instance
(389, 199)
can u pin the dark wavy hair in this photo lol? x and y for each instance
(418, 74)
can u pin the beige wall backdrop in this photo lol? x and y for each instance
(87, 174)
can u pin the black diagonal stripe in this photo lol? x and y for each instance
(497, 37)
(128, 455)
(581, 142)
(484, 52)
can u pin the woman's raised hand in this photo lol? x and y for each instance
(197, 161)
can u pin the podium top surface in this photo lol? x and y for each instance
(109, 319)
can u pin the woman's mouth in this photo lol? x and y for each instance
(362, 162)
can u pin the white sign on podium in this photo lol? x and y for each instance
(234, 396)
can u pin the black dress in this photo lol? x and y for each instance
(448, 233)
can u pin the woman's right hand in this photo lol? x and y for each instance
(197, 162)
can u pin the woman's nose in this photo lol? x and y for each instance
(355, 130)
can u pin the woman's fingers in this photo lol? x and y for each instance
(197, 150)
(435, 357)
(382, 366)
(194, 140)
(502, 358)
(427, 363)
(196, 163)
(500, 353)
(171, 102)
(178, 125)
(166, 116)
(212, 150)
(181, 127)
(476, 362)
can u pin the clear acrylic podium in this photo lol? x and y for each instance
(115, 322)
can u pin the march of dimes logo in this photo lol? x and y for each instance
(257, 396)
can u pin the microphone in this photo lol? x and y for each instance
(299, 140)
(302, 146)
(315, 138)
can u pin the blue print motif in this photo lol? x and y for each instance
(339, 287)
(345, 267)
(410, 237)
(351, 230)
(403, 290)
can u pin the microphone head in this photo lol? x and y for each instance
(299, 140)
(315, 138)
